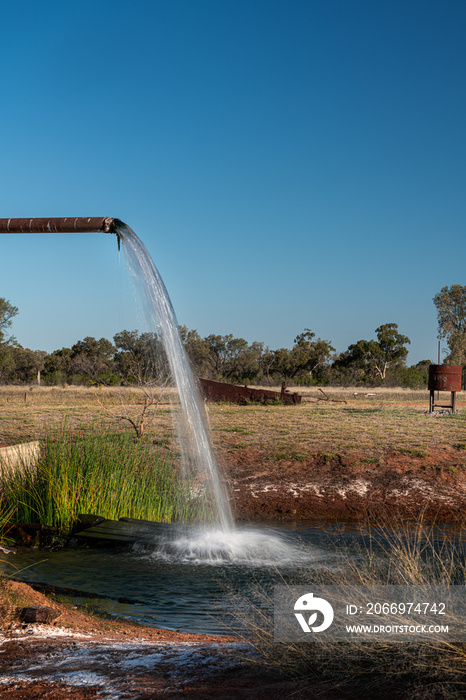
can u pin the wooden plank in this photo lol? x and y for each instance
(125, 531)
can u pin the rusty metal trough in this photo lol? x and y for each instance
(221, 391)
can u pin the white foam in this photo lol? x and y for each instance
(243, 546)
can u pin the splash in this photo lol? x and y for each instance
(245, 546)
(196, 448)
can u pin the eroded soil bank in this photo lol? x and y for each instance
(349, 486)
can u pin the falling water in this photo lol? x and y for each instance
(196, 446)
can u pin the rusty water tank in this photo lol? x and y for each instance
(445, 377)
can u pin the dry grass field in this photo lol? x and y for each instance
(338, 422)
(336, 454)
(372, 424)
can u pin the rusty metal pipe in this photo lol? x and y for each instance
(77, 224)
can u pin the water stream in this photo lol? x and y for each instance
(196, 448)
(221, 540)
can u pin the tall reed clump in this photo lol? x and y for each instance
(104, 473)
(6, 515)
(393, 554)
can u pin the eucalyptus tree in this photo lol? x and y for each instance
(140, 357)
(7, 363)
(309, 355)
(198, 350)
(7, 314)
(358, 362)
(369, 359)
(234, 359)
(450, 303)
(93, 358)
(392, 351)
(28, 364)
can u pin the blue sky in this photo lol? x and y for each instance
(288, 164)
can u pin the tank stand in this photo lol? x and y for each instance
(433, 405)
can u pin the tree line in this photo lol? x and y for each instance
(135, 358)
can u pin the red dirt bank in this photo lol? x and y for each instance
(348, 486)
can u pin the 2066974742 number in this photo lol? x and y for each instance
(405, 608)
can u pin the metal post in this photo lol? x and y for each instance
(438, 392)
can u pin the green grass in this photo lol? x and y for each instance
(412, 452)
(6, 515)
(368, 460)
(240, 430)
(100, 472)
(290, 456)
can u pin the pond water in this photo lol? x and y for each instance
(191, 581)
